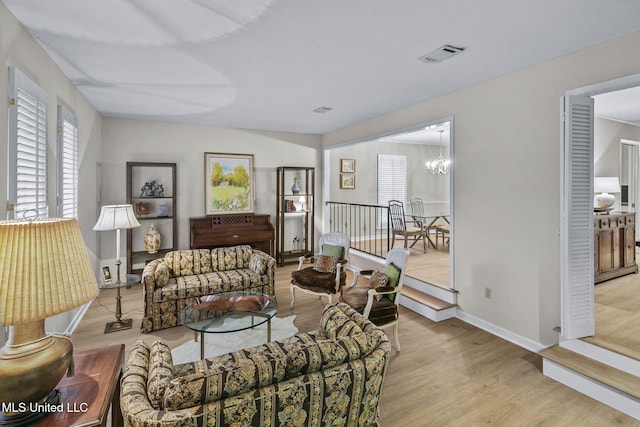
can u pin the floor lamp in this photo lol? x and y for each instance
(117, 217)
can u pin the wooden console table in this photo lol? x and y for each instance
(88, 395)
(614, 245)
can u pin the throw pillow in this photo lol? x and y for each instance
(258, 263)
(325, 264)
(162, 274)
(332, 250)
(324, 354)
(378, 281)
(393, 273)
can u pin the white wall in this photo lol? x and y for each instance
(18, 48)
(606, 151)
(431, 188)
(606, 138)
(507, 182)
(149, 141)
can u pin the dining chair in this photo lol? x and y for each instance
(417, 213)
(401, 227)
(327, 274)
(379, 300)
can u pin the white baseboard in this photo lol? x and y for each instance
(516, 339)
(77, 318)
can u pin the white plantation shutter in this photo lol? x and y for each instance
(578, 319)
(392, 180)
(27, 146)
(68, 163)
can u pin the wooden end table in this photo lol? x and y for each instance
(87, 395)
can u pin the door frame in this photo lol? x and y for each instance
(569, 288)
(634, 177)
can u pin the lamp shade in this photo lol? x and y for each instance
(44, 269)
(606, 184)
(116, 217)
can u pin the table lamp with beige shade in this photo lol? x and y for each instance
(44, 271)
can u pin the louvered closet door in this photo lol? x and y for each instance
(577, 296)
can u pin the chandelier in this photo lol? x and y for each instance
(439, 166)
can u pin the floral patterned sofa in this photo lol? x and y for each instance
(329, 377)
(172, 282)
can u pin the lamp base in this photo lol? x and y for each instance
(24, 414)
(118, 325)
(604, 200)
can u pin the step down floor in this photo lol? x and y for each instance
(600, 372)
(428, 300)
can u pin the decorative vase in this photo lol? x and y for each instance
(152, 240)
(295, 189)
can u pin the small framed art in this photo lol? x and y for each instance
(347, 165)
(142, 208)
(347, 181)
(106, 275)
(163, 211)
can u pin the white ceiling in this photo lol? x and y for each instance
(621, 105)
(267, 64)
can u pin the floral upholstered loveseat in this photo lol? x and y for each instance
(329, 377)
(172, 282)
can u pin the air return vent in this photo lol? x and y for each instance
(322, 110)
(440, 54)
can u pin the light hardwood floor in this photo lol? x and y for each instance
(447, 374)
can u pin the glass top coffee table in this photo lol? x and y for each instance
(229, 312)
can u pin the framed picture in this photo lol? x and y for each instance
(106, 275)
(229, 183)
(347, 165)
(347, 181)
(163, 210)
(142, 208)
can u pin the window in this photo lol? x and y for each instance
(27, 146)
(392, 180)
(68, 163)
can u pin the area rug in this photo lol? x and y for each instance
(216, 344)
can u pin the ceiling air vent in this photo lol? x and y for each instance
(440, 54)
(322, 110)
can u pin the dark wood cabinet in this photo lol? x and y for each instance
(229, 230)
(614, 245)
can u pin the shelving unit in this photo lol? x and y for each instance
(138, 174)
(295, 213)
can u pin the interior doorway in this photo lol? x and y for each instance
(419, 143)
(577, 250)
(630, 177)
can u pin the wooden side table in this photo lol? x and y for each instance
(87, 395)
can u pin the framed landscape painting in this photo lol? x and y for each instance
(229, 183)
(347, 181)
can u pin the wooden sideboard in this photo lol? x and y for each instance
(615, 245)
(228, 230)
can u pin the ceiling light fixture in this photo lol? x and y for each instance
(440, 166)
(441, 53)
